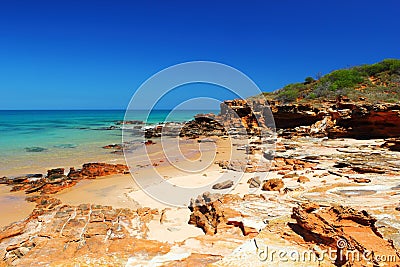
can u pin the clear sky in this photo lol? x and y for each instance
(94, 54)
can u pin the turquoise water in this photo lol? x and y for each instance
(40, 139)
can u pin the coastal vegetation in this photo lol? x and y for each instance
(375, 83)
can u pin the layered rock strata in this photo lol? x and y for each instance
(56, 180)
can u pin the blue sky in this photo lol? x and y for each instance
(95, 54)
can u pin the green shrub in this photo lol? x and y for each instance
(344, 78)
(312, 95)
(308, 80)
(346, 81)
(387, 65)
(288, 95)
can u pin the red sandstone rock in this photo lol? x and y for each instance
(273, 185)
(149, 142)
(213, 214)
(337, 119)
(303, 179)
(56, 234)
(56, 181)
(92, 170)
(340, 226)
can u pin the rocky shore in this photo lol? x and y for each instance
(56, 179)
(332, 183)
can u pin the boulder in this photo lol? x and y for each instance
(202, 125)
(361, 180)
(303, 179)
(223, 185)
(254, 182)
(273, 185)
(203, 200)
(221, 215)
(57, 171)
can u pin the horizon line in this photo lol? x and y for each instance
(100, 109)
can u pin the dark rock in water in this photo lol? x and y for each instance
(223, 185)
(129, 122)
(35, 149)
(66, 146)
(112, 127)
(254, 182)
(113, 146)
(153, 132)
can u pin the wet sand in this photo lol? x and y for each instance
(108, 191)
(13, 206)
(121, 191)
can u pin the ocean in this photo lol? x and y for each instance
(35, 140)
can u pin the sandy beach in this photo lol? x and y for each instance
(118, 190)
(13, 206)
(208, 199)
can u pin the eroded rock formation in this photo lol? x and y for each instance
(203, 125)
(56, 180)
(277, 164)
(333, 119)
(84, 234)
(92, 170)
(273, 185)
(366, 121)
(344, 229)
(218, 214)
